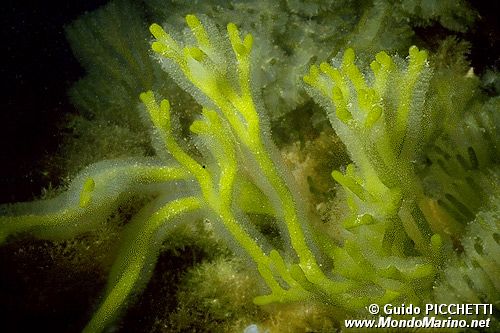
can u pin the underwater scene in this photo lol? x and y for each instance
(258, 166)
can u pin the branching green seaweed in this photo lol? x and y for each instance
(395, 237)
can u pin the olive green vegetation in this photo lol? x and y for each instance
(410, 213)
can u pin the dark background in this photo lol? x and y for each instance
(36, 71)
